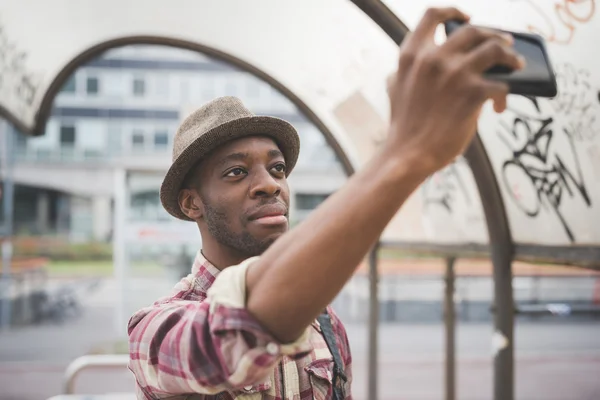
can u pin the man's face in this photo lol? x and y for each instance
(244, 194)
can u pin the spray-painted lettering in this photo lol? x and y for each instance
(577, 101)
(16, 82)
(543, 167)
(561, 22)
(444, 189)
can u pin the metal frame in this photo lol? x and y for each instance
(578, 256)
(89, 54)
(6, 245)
(373, 356)
(450, 330)
(501, 250)
(83, 363)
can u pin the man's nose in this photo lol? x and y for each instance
(265, 185)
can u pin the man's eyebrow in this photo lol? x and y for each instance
(274, 153)
(234, 157)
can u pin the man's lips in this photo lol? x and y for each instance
(270, 214)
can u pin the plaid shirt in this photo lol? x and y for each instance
(201, 343)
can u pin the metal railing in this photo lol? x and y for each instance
(110, 361)
(66, 154)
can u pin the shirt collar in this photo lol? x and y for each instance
(204, 272)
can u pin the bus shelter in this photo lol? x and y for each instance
(526, 189)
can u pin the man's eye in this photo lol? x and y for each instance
(236, 172)
(279, 168)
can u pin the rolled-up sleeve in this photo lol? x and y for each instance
(181, 346)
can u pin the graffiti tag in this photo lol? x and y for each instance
(577, 101)
(444, 187)
(15, 80)
(560, 23)
(543, 167)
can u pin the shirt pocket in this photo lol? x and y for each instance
(254, 392)
(320, 375)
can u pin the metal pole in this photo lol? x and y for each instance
(502, 251)
(373, 322)
(119, 249)
(450, 325)
(8, 200)
(502, 340)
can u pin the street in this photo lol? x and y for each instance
(556, 360)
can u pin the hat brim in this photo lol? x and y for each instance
(282, 132)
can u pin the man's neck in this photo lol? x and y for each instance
(222, 257)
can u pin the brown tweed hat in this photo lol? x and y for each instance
(215, 123)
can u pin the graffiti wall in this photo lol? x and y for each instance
(547, 160)
(18, 81)
(545, 152)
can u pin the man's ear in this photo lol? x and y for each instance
(191, 204)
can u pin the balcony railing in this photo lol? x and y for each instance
(76, 155)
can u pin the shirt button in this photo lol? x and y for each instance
(272, 348)
(248, 388)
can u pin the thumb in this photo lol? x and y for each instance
(498, 92)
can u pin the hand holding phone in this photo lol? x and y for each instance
(536, 79)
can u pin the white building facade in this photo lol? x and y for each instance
(122, 110)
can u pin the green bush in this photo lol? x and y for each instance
(59, 249)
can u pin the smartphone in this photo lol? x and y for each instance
(536, 79)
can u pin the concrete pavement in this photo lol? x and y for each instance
(555, 360)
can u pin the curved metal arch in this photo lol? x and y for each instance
(91, 53)
(501, 245)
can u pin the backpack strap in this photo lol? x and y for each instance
(338, 366)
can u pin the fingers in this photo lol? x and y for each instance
(390, 82)
(497, 91)
(494, 52)
(432, 18)
(468, 37)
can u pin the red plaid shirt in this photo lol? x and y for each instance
(203, 344)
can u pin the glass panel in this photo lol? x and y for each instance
(92, 85)
(67, 135)
(139, 87)
(70, 85)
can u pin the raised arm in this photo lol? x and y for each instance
(436, 97)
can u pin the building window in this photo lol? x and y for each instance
(92, 85)
(70, 85)
(137, 139)
(309, 201)
(145, 206)
(161, 139)
(139, 87)
(67, 135)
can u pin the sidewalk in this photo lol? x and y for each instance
(471, 267)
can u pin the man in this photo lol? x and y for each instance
(248, 322)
